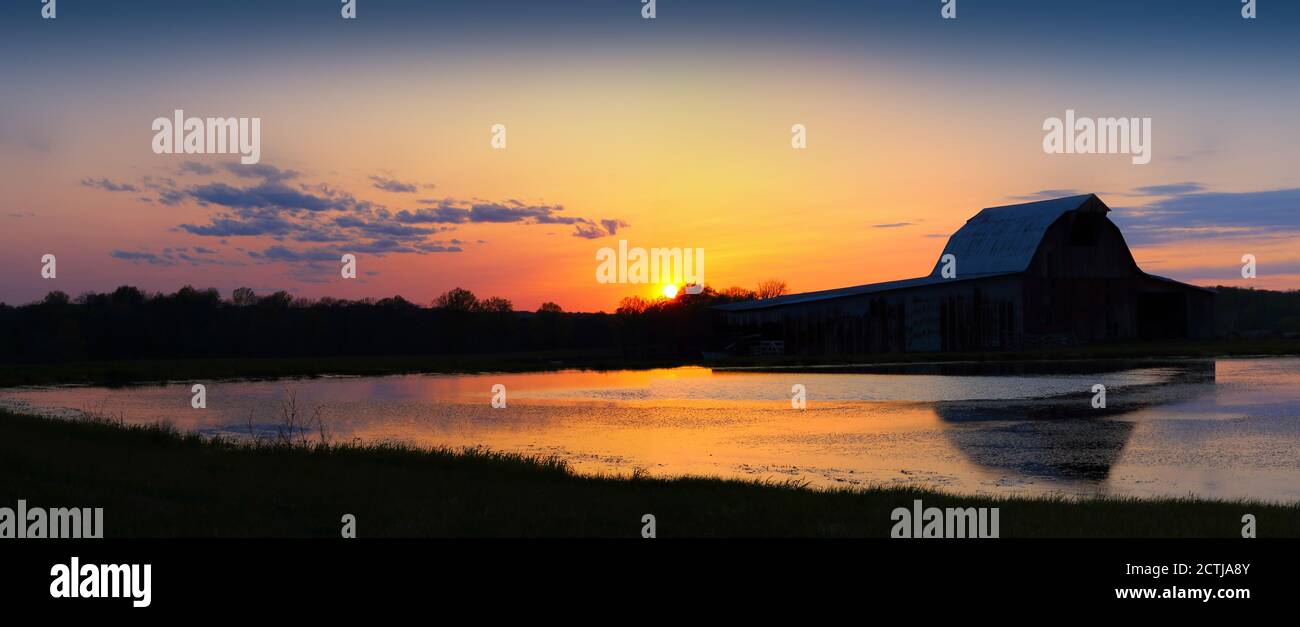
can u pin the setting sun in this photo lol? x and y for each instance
(670, 291)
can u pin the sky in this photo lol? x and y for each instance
(376, 139)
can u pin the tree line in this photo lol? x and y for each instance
(129, 323)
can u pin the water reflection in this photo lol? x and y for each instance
(1224, 430)
(1064, 437)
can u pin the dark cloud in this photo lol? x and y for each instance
(268, 194)
(1201, 215)
(231, 225)
(282, 253)
(891, 225)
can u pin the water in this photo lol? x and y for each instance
(1222, 429)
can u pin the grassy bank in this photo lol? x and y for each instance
(155, 370)
(154, 482)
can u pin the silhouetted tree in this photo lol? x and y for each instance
(243, 297)
(56, 298)
(456, 299)
(770, 288)
(496, 304)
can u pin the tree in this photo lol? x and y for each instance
(737, 293)
(633, 305)
(243, 296)
(56, 298)
(770, 288)
(457, 299)
(549, 307)
(278, 300)
(127, 295)
(496, 304)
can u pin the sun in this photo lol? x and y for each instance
(670, 291)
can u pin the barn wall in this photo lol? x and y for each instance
(977, 314)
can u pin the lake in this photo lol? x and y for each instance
(1220, 429)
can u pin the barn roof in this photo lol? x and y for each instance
(857, 290)
(1004, 239)
(997, 241)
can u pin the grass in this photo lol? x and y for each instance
(157, 482)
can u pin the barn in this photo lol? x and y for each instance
(1049, 273)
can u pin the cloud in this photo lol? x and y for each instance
(168, 257)
(891, 225)
(232, 225)
(612, 226)
(1232, 271)
(194, 167)
(393, 185)
(1172, 189)
(141, 257)
(268, 194)
(109, 186)
(326, 221)
(1201, 215)
(589, 231)
(282, 253)
(260, 171)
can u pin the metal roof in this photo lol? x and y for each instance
(1004, 239)
(997, 241)
(858, 290)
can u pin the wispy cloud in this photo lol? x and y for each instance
(394, 185)
(1169, 190)
(327, 221)
(170, 257)
(109, 186)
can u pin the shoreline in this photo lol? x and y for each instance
(154, 481)
(152, 371)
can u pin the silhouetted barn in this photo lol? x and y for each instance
(1056, 272)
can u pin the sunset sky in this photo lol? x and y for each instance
(672, 132)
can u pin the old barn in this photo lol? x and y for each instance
(1055, 272)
